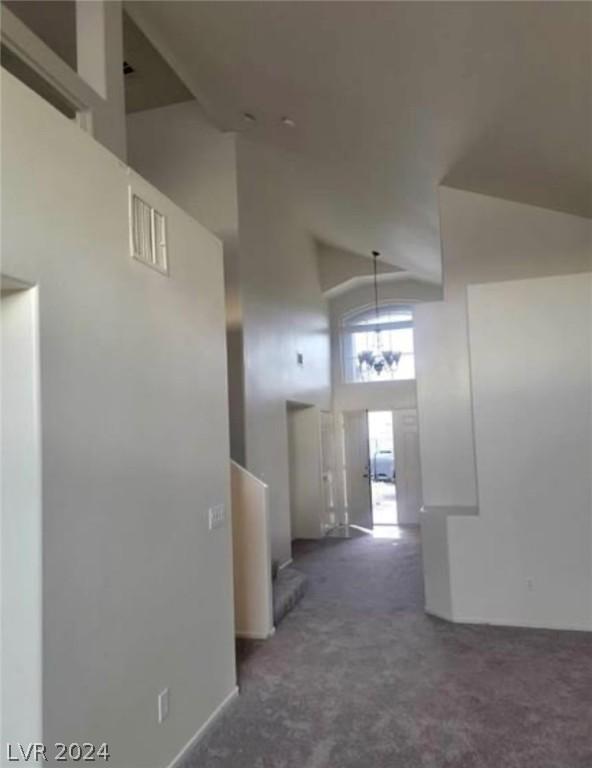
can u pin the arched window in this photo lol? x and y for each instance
(359, 335)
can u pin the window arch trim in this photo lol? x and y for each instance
(357, 327)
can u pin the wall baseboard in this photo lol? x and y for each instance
(254, 635)
(523, 624)
(438, 614)
(200, 733)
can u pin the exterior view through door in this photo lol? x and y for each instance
(382, 468)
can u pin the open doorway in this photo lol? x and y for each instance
(382, 474)
(21, 541)
(305, 466)
(382, 468)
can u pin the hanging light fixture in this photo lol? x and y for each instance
(378, 359)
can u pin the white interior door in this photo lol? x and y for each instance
(328, 469)
(357, 470)
(407, 466)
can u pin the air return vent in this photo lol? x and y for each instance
(148, 234)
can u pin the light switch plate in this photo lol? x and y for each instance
(216, 517)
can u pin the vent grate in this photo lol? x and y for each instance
(148, 234)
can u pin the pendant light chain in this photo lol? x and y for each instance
(378, 360)
(376, 310)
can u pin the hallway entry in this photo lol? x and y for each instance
(382, 468)
(312, 470)
(358, 675)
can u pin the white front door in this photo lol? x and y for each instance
(357, 470)
(407, 466)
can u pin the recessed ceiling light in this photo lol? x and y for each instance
(288, 122)
(249, 117)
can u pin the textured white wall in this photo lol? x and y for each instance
(137, 595)
(192, 162)
(100, 63)
(253, 596)
(484, 239)
(487, 240)
(274, 302)
(195, 165)
(284, 313)
(306, 483)
(90, 71)
(527, 558)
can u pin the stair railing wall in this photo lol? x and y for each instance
(253, 601)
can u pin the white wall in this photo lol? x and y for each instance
(408, 466)
(284, 313)
(488, 240)
(20, 518)
(436, 562)
(306, 484)
(137, 595)
(484, 239)
(275, 304)
(193, 162)
(100, 63)
(251, 544)
(195, 165)
(388, 395)
(527, 558)
(90, 78)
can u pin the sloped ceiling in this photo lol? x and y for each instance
(149, 81)
(391, 98)
(340, 270)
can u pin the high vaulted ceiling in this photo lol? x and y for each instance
(390, 99)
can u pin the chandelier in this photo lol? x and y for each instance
(377, 359)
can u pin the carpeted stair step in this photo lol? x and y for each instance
(288, 588)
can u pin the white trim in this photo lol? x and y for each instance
(91, 36)
(285, 565)
(367, 310)
(508, 624)
(391, 325)
(253, 591)
(384, 277)
(525, 624)
(250, 474)
(36, 54)
(153, 262)
(438, 614)
(199, 734)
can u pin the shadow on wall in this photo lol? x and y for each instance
(236, 393)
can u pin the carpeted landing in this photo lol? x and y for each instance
(357, 676)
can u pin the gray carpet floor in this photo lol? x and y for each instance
(357, 676)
